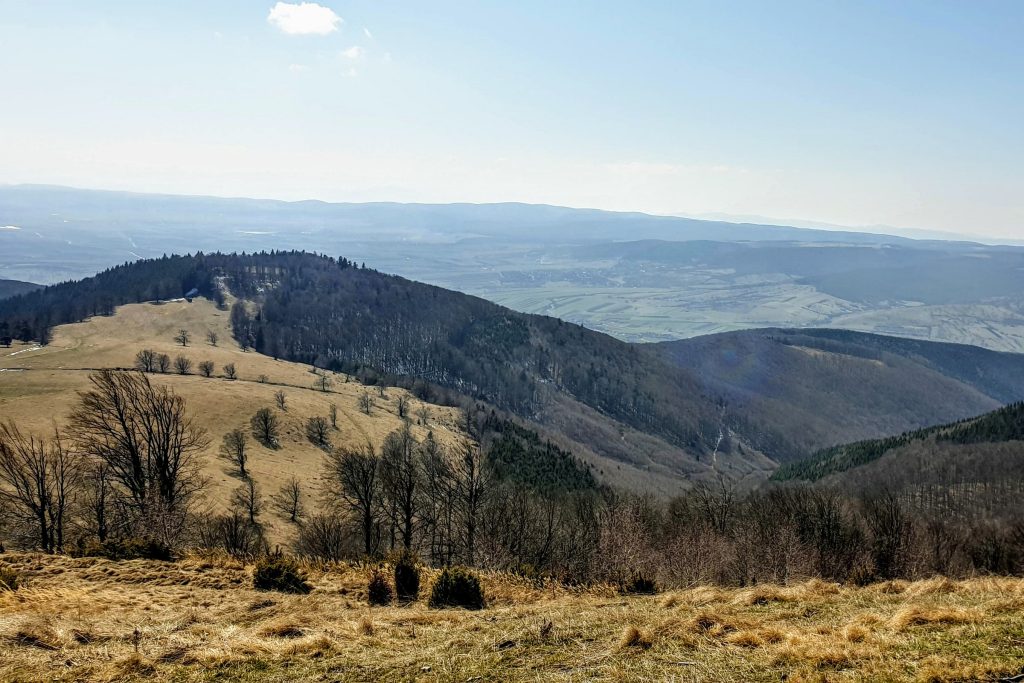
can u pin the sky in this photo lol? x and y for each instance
(851, 113)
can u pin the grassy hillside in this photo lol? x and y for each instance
(198, 620)
(819, 388)
(39, 385)
(1005, 425)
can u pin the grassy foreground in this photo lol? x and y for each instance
(84, 619)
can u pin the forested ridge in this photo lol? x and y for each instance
(335, 314)
(1003, 425)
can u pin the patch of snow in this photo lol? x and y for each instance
(33, 348)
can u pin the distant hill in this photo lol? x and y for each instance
(655, 415)
(834, 386)
(9, 288)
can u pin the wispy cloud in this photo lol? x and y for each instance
(306, 18)
(355, 52)
(366, 32)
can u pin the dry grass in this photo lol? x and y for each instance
(75, 619)
(53, 375)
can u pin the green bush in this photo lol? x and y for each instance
(279, 573)
(638, 584)
(126, 549)
(457, 587)
(407, 577)
(378, 590)
(8, 579)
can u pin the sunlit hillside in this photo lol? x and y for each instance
(39, 385)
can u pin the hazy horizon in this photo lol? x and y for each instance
(854, 116)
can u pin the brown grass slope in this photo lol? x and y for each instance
(38, 388)
(199, 620)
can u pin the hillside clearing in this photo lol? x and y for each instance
(43, 390)
(198, 620)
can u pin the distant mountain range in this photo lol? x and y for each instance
(635, 276)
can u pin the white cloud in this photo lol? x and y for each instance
(9, 227)
(304, 18)
(354, 52)
(366, 32)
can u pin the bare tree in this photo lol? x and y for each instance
(38, 478)
(235, 449)
(98, 500)
(353, 478)
(211, 338)
(473, 485)
(423, 414)
(229, 371)
(145, 361)
(183, 337)
(265, 427)
(365, 402)
(333, 414)
(318, 432)
(163, 363)
(149, 442)
(206, 368)
(288, 501)
(400, 479)
(281, 399)
(262, 379)
(183, 365)
(403, 406)
(380, 391)
(248, 499)
(322, 382)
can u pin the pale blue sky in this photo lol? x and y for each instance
(903, 113)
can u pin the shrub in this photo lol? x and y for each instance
(126, 549)
(457, 587)
(279, 573)
(378, 590)
(407, 577)
(8, 579)
(638, 584)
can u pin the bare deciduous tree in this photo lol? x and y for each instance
(211, 338)
(206, 368)
(353, 481)
(403, 406)
(265, 427)
(318, 432)
(333, 414)
(288, 501)
(229, 371)
(151, 445)
(183, 337)
(365, 402)
(145, 361)
(473, 484)
(38, 478)
(281, 399)
(235, 449)
(400, 480)
(322, 382)
(248, 499)
(163, 363)
(183, 365)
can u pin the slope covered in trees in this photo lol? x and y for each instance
(1000, 426)
(828, 387)
(9, 288)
